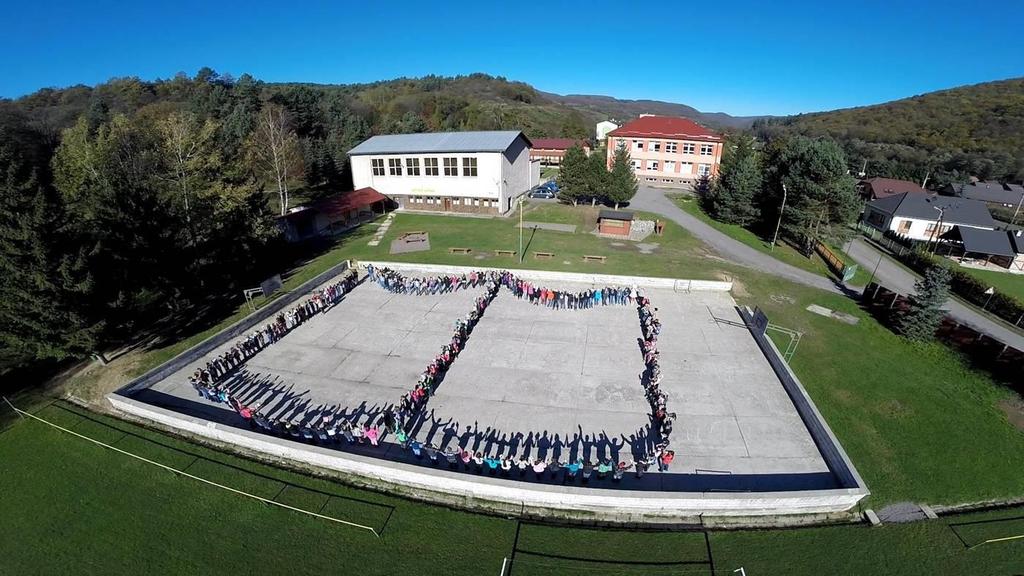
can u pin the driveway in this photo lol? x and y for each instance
(890, 274)
(654, 200)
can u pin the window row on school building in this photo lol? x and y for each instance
(474, 172)
(668, 150)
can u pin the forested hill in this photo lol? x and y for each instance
(968, 131)
(473, 102)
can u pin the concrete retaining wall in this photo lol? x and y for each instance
(602, 505)
(828, 445)
(576, 277)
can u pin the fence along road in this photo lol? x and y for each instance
(898, 279)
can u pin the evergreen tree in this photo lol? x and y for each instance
(821, 196)
(597, 179)
(622, 184)
(922, 319)
(40, 288)
(739, 180)
(572, 176)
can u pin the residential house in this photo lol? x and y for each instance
(460, 172)
(550, 151)
(603, 128)
(1009, 195)
(666, 150)
(917, 216)
(875, 188)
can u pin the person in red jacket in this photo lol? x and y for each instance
(665, 460)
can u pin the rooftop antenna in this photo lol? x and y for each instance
(926, 176)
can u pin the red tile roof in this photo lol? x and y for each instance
(348, 201)
(884, 187)
(665, 127)
(557, 143)
(342, 202)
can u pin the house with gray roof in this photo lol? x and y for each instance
(459, 172)
(925, 217)
(987, 191)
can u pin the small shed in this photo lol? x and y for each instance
(614, 222)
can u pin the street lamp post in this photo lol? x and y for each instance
(935, 231)
(520, 229)
(779, 225)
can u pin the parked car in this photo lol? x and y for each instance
(550, 185)
(541, 192)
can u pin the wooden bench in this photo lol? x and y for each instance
(460, 250)
(505, 253)
(590, 258)
(543, 255)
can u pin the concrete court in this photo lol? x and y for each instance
(537, 380)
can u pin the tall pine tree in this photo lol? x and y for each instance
(572, 176)
(922, 319)
(738, 182)
(622, 184)
(40, 288)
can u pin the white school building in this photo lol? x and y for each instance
(473, 172)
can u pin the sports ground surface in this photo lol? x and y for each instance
(538, 381)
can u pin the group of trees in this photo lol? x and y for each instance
(810, 173)
(135, 211)
(583, 178)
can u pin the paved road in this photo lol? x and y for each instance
(891, 275)
(654, 200)
(895, 277)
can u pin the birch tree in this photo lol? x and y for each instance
(273, 148)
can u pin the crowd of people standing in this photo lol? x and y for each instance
(397, 419)
(209, 380)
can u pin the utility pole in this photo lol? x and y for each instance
(938, 225)
(520, 229)
(779, 225)
(926, 176)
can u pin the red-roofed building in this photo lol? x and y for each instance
(333, 214)
(550, 151)
(876, 188)
(666, 150)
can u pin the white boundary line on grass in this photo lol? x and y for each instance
(203, 480)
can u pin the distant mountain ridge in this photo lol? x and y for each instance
(623, 110)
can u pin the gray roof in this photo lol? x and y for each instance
(615, 215)
(922, 207)
(989, 192)
(991, 242)
(438, 142)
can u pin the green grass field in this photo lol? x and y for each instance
(782, 252)
(72, 507)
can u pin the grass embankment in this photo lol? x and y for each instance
(783, 252)
(1003, 282)
(71, 506)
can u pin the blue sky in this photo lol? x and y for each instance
(740, 57)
